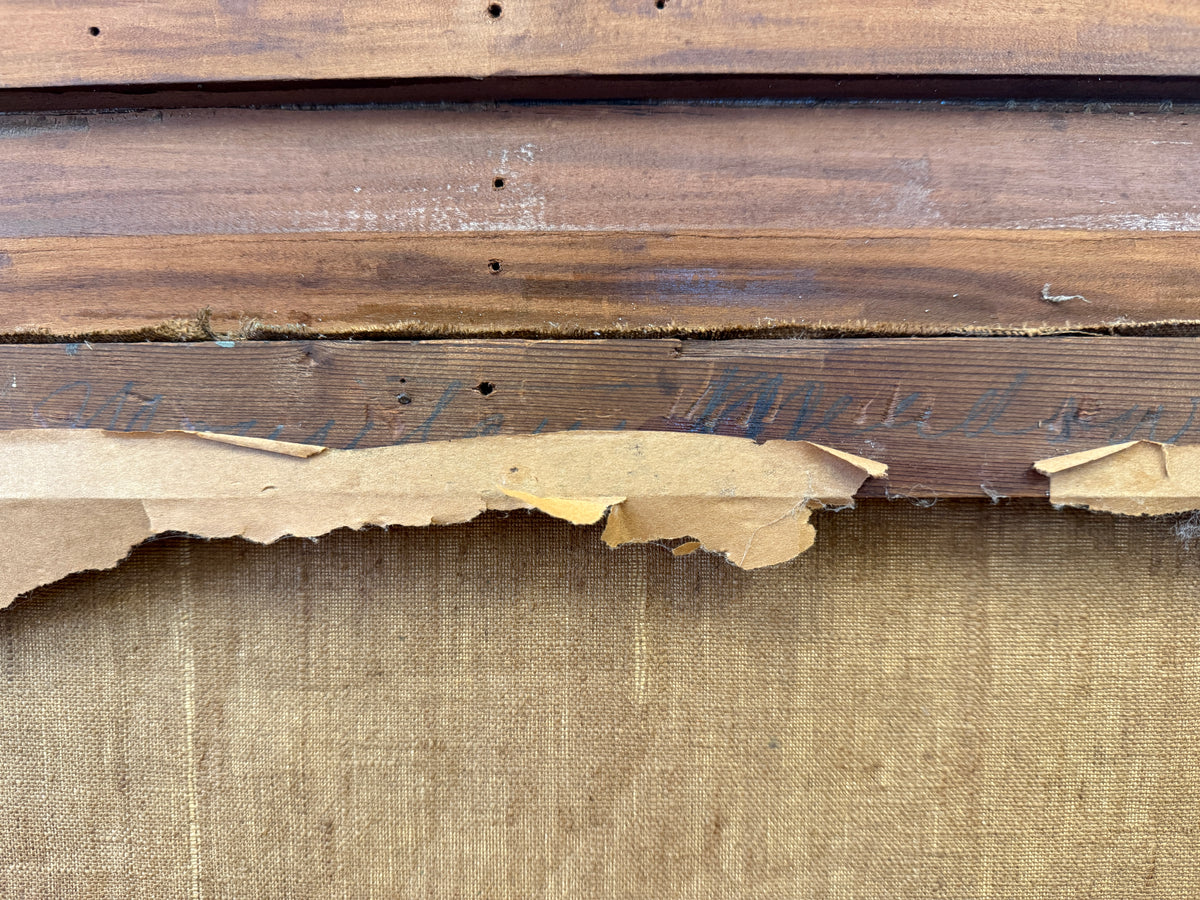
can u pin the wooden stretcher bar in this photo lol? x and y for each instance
(951, 417)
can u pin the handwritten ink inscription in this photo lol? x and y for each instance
(738, 401)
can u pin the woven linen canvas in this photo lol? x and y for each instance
(965, 701)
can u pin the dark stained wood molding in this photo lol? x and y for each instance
(952, 417)
(570, 284)
(570, 167)
(556, 220)
(112, 42)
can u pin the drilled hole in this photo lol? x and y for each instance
(660, 4)
(485, 387)
(94, 31)
(494, 10)
(498, 184)
(494, 265)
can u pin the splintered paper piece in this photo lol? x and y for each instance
(72, 500)
(1138, 478)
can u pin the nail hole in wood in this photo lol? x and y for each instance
(485, 387)
(94, 31)
(494, 265)
(494, 10)
(498, 184)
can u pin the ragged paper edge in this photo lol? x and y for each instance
(265, 445)
(1136, 478)
(76, 500)
(287, 448)
(1056, 464)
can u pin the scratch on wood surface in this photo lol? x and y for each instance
(1060, 298)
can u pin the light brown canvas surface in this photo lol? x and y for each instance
(964, 701)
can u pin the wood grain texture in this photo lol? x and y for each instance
(950, 416)
(676, 219)
(112, 42)
(881, 281)
(597, 168)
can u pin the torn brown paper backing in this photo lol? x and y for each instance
(1138, 478)
(81, 499)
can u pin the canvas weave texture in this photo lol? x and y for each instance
(967, 701)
